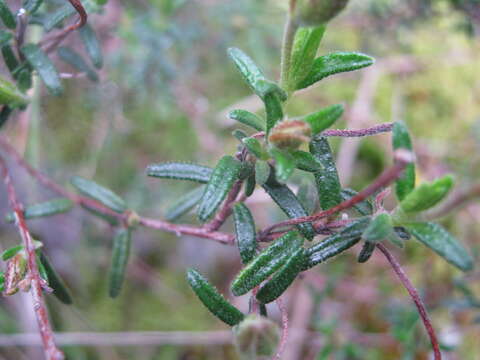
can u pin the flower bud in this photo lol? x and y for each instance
(317, 12)
(15, 273)
(256, 336)
(290, 134)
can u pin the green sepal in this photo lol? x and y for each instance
(290, 205)
(255, 148)
(184, 204)
(60, 289)
(227, 171)
(443, 243)
(180, 171)
(305, 161)
(247, 118)
(11, 252)
(364, 207)
(120, 254)
(44, 209)
(324, 118)
(305, 47)
(366, 252)
(266, 263)
(44, 67)
(427, 195)
(333, 64)
(336, 244)
(380, 228)
(213, 300)
(262, 172)
(92, 45)
(283, 278)
(405, 184)
(75, 60)
(245, 232)
(328, 183)
(284, 164)
(10, 95)
(97, 192)
(7, 16)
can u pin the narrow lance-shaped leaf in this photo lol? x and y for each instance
(290, 205)
(248, 118)
(239, 134)
(324, 118)
(333, 64)
(92, 45)
(31, 6)
(245, 232)
(283, 278)
(221, 182)
(11, 252)
(120, 255)
(305, 47)
(266, 263)
(60, 289)
(335, 244)
(55, 18)
(45, 68)
(213, 300)
(443, 243)
(284, 164)
(328, 183)
(273, 108)
(74, 59)
(10, 95)
(364, 207)
(180, 171)
(305, 161)
(255, 148)
(186, 203)
(250, 185)
(97, 192)
(427, 195)
(5, 37)
(44, 209)
(366, 252)
(262, 172)
(405, 184)
(7, 16)
(9, 58)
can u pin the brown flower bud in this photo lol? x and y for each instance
(15, 273)
(317, 12)
(290, 134)
(256, 336)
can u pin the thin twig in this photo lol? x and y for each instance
(284, 337)
(416, 299)
(378, 129)
(46, 333)
(288, 38)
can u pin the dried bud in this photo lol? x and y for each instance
(133, 219)
(317, 12)
(16, 271)
(256, 336)
(290, 134)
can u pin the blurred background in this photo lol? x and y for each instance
(164, 91)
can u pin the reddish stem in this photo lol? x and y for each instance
(284, 337)
(226, 209)
(46, 333)
(416, 299)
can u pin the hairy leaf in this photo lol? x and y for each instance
(180, 171)
(184, 204)
(7, 16)
(92, 45)
(305, 161)
(324, 118)
(379, 229)
(366, 252)
(274, 110)
(401, 140)
(248, 118)
(364, 207)
(262, 172)
(60, 289)
(120, 254)
(255, 148)
(44, 209)
(245, 232)
(97, 192)
(427, 195)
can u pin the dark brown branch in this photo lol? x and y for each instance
(46, 333)
(415, 297)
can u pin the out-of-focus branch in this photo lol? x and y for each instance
(375, 130)
(458, 199)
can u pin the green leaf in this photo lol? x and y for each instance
(401, 140)
(328, 183)
(324, 118)
(45, 68)
(443, 243)
(266, 263)
(11, 252)
(10, 58)
(213, 300)
(120, 254)
(262, 172)
(284, 164)
(60, 289)
(290, 205)
(10, 95)
(335, 244)
(273, 108)
(283, 278)
(305, 47)
(41, 269)
(250, 185)
(99, 193)
(5, 37)
(23, 75)
(221, 181)
(55, 18)
(366, 252)
(333, 64)
(180, 171)
(44, 209)
(255, 148)
(245, 232)
(305, 161)
(380, 228)
(427, 195)
(31, 6)
(74, 59)
(248, 118)
(239, 134)
(92, 45)
(364, 207)
(184, 204)
(7, 16)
